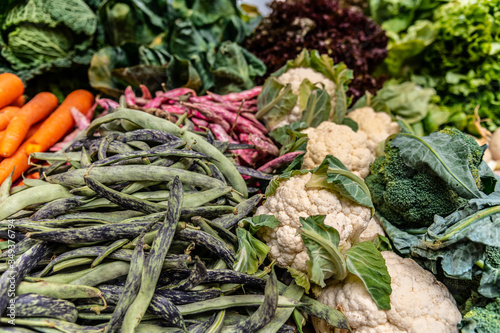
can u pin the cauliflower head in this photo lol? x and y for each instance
(294, 77)
(419, 302)
(340, 141)
(376, 125)
(293, 200)
(372, 231)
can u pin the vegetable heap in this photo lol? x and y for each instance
(230, 118)
(138, 213)
(451, 46)
(38, 36)
(35, 126)
(127, 42)
(346, 35)
(309, 89)
(439, 202)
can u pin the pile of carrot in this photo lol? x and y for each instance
(34, 126)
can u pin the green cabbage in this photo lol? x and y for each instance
(37, 36)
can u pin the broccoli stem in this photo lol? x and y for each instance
(450, 232)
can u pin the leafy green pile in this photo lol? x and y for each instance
(439, 202)
(37, 36)
(456, 52)
(180, 43)
(129, 42)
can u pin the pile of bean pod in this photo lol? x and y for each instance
(229, 117)
(131, 228)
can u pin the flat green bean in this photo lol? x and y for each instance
(196, 141)
(103, 273)
(123, 173)
(71, 263)
(32, 196)
(5, 188)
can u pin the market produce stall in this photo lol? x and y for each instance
(222, 166)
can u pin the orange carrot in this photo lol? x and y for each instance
(6, 115)
(34, 175)
(33, 129)
(11, 87)
(19, 161)
(35, 110)
(19, 102)
(60, 121)
(2, 134)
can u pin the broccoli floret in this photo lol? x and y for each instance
(493, 256)
(483, 319)
(410, 198)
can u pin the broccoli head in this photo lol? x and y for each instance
(409, 198)
(483, 319)
(493, 256)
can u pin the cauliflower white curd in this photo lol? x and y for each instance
(293, 200)
(419, 302)
(377, 126)
(340, 141)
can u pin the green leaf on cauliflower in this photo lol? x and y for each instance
(314, 114)
(290, 138)
(382, 243)
(275, 102)
(305, 89)
(293, 169)
(251, 252)
(331, 174)
(258, 221)
(322, 243)
(300, 278)
(367, 263)
(273, 95)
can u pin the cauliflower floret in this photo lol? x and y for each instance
(293, 200)
(371, 232)
(294, 77)
(376, 125)
(294, 115)
(419, 302)
(340, 141)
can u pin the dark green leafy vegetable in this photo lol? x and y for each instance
(40, 36)
(182, 43)
(420, 177)
(451, 46)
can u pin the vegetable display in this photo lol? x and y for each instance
(35, 126)
(231, 118)
(310, 88)
(38, 36)
(437, 202)
(156, 176)
(108, 45)
(139, 213)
